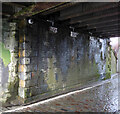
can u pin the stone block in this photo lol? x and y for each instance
(24, 92)
(20, 53)
(22, 83)
(25, 76)
(4, 97)
(35, 91)
(11, 44)
(21, 68)
(12, 34)
(26, 53)
(20, 46)
(24, 60)
(24, 68)
(28, 83)
(26, 46)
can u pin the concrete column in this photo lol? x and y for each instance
(27, 62)
(118, 55)
(9, 60)
(24, 60)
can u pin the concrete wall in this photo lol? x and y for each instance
(8, 62)
(51, 64)
(36, 63)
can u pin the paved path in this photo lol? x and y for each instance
(101, 98)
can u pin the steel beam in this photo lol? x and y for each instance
(112, 33)
(85, 9)
(97, 21)
(39, 7)
(95, 16)
(14, 4)
(104, 24)
(56, 9)
(108, 29)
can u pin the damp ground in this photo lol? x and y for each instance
(103, 97)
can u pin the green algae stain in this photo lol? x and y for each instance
(51, 74)
(13, 89)
(4, 54)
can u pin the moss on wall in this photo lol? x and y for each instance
(5, 54)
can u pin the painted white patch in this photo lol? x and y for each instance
(114, 42)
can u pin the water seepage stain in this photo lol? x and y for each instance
(4, 54)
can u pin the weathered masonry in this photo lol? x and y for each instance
(38, 62)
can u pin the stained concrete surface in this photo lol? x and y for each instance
(58, 62)
(101, 98)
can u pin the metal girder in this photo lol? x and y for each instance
(66, 5)
(97, 21)
(37, 8)
(101, 27)
(107, 25)
(115, 35)
(100, 32)
(95, 16)
(112, 32)
(81, 10)
(107, 34)
(107, 29)
(14, 4)
(112, 35)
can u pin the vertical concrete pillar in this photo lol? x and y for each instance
(28, 52)
(118, 70)
(8, 62)
(118, 55)
(24, 60)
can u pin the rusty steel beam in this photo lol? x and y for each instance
(95, 16)
(80, 12)
(39, 7)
